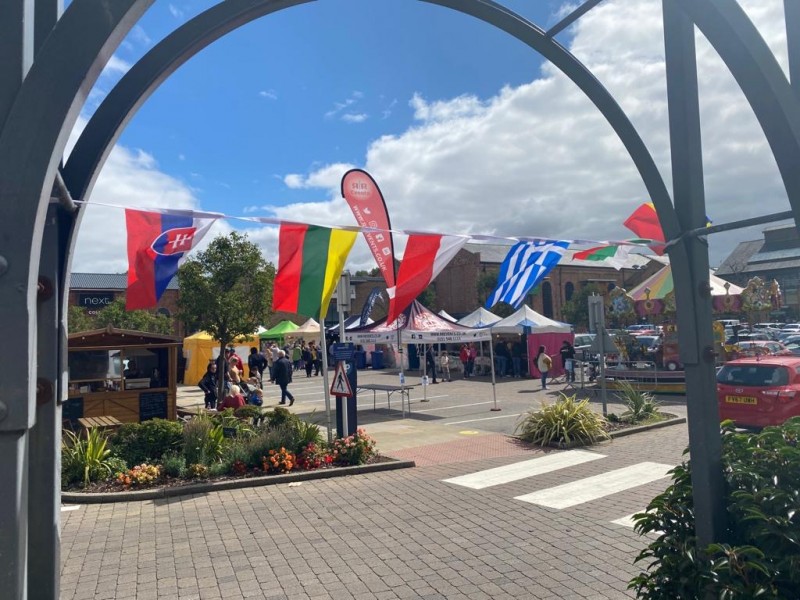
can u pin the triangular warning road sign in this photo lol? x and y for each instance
(340, 386)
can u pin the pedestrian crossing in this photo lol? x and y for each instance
(574, 493)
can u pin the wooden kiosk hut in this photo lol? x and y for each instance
(130, 376)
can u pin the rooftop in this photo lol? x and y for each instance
(106, 281)
(495, 253)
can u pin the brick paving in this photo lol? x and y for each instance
(398, 534)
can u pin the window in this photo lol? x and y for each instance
(547, 299)
(753, 375)
(569, 290)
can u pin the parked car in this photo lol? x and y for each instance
(758, 392)
(582, 343)
(763, 347)
(749, 337)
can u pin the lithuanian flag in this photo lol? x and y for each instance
(310, 262)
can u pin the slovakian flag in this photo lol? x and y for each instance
(525, 265)
(158, 243)
(616, 256)
(369, 208)
(310, 263)
(425, 257)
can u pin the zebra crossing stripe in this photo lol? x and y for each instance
(598, 486)
(626, 521)
(521, 470)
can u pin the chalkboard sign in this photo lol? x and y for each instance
(72, 409)
(152, 405)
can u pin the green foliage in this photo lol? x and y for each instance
(228, 420)
(203, 441)
(641, 406)
(173, 464)
(115, 315)
(85, 459)
(307, 433)
(428, 297)
(279, 416)
(486, 284)
(576, 311)
(252, 414)
(565, 422)
(761, 555)
(79, 320)
(147, 442)
(355, 449)
(226, 290)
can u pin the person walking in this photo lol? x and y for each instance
(430, 362)
(543, 363)
(567, 352)
(297, 355)
(209, 386)
(308, 359)
(283, 377)
(463, 356)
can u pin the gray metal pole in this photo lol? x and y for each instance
(494, 383)
(324, 351)
(690, 270)
(791, 9)
(44, 447)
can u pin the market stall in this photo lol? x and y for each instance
(201, 348)
(127, 375)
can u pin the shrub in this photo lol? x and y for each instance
(254, 415)
(313, 456)
(641, 406)
(138, 443)
(761, 555)
(140, 475)
(173, 465)
(85, 459)
(228, 421)
(307, 433)
(203, 441)
(565, 422)
(251, 451)
(356, 449)
(279, 417)
(197, 471)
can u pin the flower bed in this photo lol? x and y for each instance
(228, 446)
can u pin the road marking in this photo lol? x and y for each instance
(522, 470)
(427, 410)
(70, 507)
(485, 419)
(599, 486)
(626, 521)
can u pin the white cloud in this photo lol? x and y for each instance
(175, 11)
(537, 159)
(354, 117)
(268, 94)
(116, 66)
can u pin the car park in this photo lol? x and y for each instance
(582, 343)
(760, 347)
(760, 391)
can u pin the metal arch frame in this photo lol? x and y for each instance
(142, 79)
(33, 135)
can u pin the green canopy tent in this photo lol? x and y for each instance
(278, 332)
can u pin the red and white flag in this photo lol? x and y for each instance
(425, 257)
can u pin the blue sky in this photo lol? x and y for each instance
(465, 129)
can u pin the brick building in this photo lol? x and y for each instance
(93, 291)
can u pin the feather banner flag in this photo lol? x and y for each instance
(525, 265)
(425, 257)
(616, 256)
(310, 262)
(158, 243)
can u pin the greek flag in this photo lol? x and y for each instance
(523, 268)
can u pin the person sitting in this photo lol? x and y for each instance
(233, 400)
(132, 372)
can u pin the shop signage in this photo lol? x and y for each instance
(95, 299)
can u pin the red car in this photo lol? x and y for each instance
(759, 391)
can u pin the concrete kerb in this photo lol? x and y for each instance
(229, 484)
(640, 428)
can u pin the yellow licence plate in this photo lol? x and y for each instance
(741, 400)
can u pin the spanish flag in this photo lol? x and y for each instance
(310, 262)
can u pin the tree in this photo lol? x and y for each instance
(576, 311)
(226, 290)
(428, 297)
(115, 315)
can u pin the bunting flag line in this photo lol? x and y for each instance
(364, 197)
(526, 264)
(644, 223)
(425, 257)
(158, 244)
(616, 256)
(310, 262)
